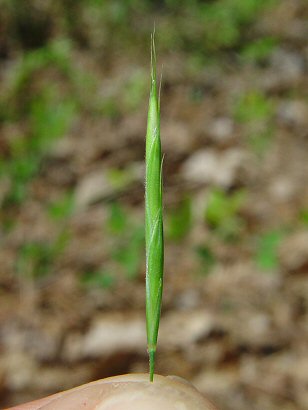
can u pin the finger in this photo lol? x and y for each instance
(127, 392)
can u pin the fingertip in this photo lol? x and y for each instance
(126, 392)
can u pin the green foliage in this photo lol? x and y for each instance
(218, 25)
(120, 178)
(129, 250)
(49, 115)
(135, 90)
(179, 220)
(63, 208)
(98, 279)
(110, 108)
(257, 51)
(55, 54)
(256, 112)
(49, 119)
(222, 213)
(222, 25)
(194, 26)
(206, 257)
(127, 98)
(21, 96)
(20, 171)
(267, 250)
(127, 240)
(35, 259)
(39, 257)
(106, 25)
(252, 107)
(260, 141)
(303, 216)
(117, 221)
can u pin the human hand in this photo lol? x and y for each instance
(127, 392)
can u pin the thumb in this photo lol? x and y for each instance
(127, 392)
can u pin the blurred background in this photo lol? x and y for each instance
(73, 105)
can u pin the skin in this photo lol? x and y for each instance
(127, 392)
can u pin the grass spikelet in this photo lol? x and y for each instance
(154, 237)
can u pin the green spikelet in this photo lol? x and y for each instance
(153, 217)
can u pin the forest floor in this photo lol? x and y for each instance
(235, 308)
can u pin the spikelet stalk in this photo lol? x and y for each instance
(153, 217)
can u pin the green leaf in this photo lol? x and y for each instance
(303, 216)
(117, 221)
(62, 208)
(206, 257)
(98, 279)
(179, 220)
(253, 106)
(35, 259)
(222, 212)
(259, 50)
(129, 253)
(267, 250)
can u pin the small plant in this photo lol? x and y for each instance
(117, 221)
(267, 250)
(303, 216)
(222, 213)
(154, 237)
(49, 119)
(35, 259)
(206, 257)
(127, 240)
(259, 50)
(101, 278)
(218, 25)
(179, 220)
(62, 208)
(255, 112)
(129, 251)
(134, 91)
(253, 107)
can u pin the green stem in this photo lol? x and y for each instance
(154, 235)
(152, 363)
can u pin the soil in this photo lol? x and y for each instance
(236, 329)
